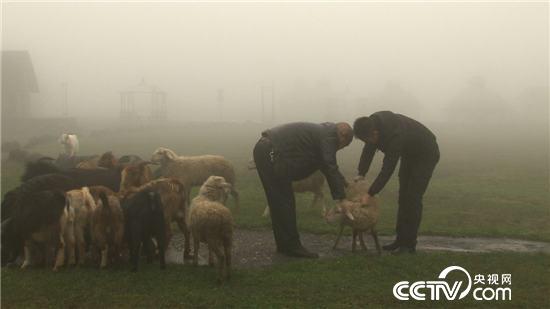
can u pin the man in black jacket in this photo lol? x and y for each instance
(292, 152)
(399, 137)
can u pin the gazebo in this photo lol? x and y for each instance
(134, 101)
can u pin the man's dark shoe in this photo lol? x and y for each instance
(391, 247)
(405, 250)
(300, 252)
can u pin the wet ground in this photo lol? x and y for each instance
(256, 248)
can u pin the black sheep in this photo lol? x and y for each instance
(144, 219)
(33, 211)
(109, 178)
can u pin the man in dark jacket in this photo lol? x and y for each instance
(399, 137)
(292, 152)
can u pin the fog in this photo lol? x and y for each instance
(314, 61)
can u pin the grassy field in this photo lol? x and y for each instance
(483, 186)
(350, 282)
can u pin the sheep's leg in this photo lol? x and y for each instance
(215, 248)
(104, 255)
(149, 249)
(235, 196)
(210, 257)
(323, 203)
(266, 212)
(81, 244)
(187, 241)
(60, 256)
(354, 241)
(161, 242)
(338, 237)
(362, 241)
(227, 253)
(196, 245)
(71, 244)
(27, 259)
(375, 236)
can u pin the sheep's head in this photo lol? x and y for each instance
(107, 160)
(341, 212)
(162, 155)
(63, 138)
(135, 175)
(215, 188)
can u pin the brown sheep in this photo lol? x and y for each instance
(107, 226)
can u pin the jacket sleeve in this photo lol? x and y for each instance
(366, 159)
(329, 168)
(388, 167)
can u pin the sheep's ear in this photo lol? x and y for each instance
(349, 215)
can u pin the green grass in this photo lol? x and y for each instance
(483, 186)
(349, 282)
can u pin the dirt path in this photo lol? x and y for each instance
(256, 248)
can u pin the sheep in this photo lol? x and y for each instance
(70, 143)
(107, 160)
(174, 204)
(133, 176)
(351, 212)
(84, 177)
(107, 225)
(40, 218)
(211, 222)
(194, 170)
(314, 184)
(144, 219)
(82, 204)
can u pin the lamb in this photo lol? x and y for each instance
(107, 225)
(70, 143)
(194, 170)
(351, 212)
(211, 222)
(314, 184)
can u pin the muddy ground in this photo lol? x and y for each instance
(256, 248)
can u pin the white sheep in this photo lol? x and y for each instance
(70, 143)
(313, 184)
(194, 170)
(352, 212)
(211, 222)
(81, 205)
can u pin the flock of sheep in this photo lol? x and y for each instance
(108, 209)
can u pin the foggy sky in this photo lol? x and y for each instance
(350, 51)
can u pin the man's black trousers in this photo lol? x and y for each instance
(414, 177)
(280, 198)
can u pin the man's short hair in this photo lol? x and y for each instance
(363, 127)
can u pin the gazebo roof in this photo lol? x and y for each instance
(142, 87)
